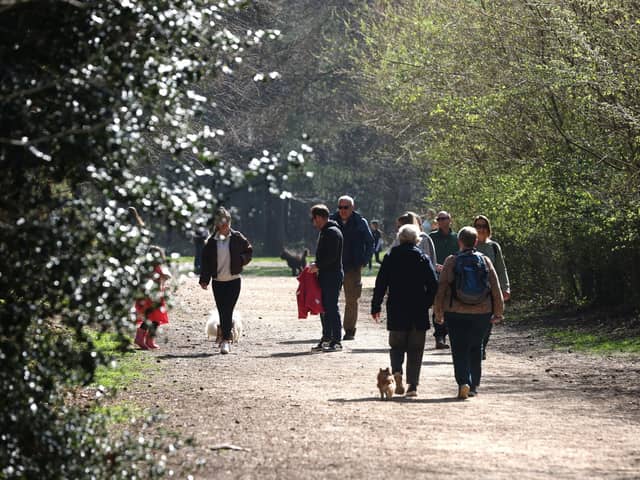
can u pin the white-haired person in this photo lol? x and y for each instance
(224, 255)
(356, 252)
(425, 244)
(469, 299)
(408, 279)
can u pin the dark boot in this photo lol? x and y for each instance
(349, 334)
(399, 386)
(140, 339)
(441, 343)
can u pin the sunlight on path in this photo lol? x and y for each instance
(300, 415)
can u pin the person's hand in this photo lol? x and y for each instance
(439, 267)
(439, 320)
(376, 317)
(506, 295)
(496, 319)
(203, 285)
(313, 268)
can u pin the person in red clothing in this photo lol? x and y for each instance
(309, 294)
(151, 313)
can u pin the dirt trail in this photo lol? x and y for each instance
(303, 415)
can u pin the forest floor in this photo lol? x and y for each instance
(273, 410)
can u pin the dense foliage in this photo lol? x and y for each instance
(527, 112)
(100, 110)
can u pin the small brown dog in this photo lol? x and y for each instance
(386, 383)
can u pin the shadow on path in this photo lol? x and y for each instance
(167, 356)
(286, 354)
(397, 399)
(298, 342)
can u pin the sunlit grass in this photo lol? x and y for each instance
(129, 365)
(589, 342)
(119, 413)
(274, 267)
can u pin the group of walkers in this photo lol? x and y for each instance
(461, 277)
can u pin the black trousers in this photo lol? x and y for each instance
(411, 344)
(226, 295)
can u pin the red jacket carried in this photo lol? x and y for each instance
(309, 294)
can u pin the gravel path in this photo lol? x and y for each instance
(293, 414)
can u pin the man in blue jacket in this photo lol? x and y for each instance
(357, 250)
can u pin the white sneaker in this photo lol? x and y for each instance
(225, 347)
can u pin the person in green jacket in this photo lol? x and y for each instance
(445, 242)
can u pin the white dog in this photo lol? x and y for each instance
(213, 328)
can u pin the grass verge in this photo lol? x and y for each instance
(594, 343)
(126, 367)
(602, 332)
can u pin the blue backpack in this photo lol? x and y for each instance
(471, 285)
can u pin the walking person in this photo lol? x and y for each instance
(378, 242)
(408, 276)
(445, 242)
(469, 299)
(224, 255)
(328, 267)
(151, 311)
(425, 244)
(489, 247)
(357, 250)
(200, 235)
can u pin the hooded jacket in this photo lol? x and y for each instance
(329, 249)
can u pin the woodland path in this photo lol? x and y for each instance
(540, 413)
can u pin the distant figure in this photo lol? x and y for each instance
(358, 248)
(378, 242)
(408, 277)
(468, 301)
(223, 257)
(429, 224)
(199, 238)
(489, 247)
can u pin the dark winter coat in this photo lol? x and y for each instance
(407, 275)
(358, 240)
(240, 250)
(329, 249)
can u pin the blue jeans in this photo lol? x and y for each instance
(466, 332)
(330, 285)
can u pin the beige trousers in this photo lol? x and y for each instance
(352, 292)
